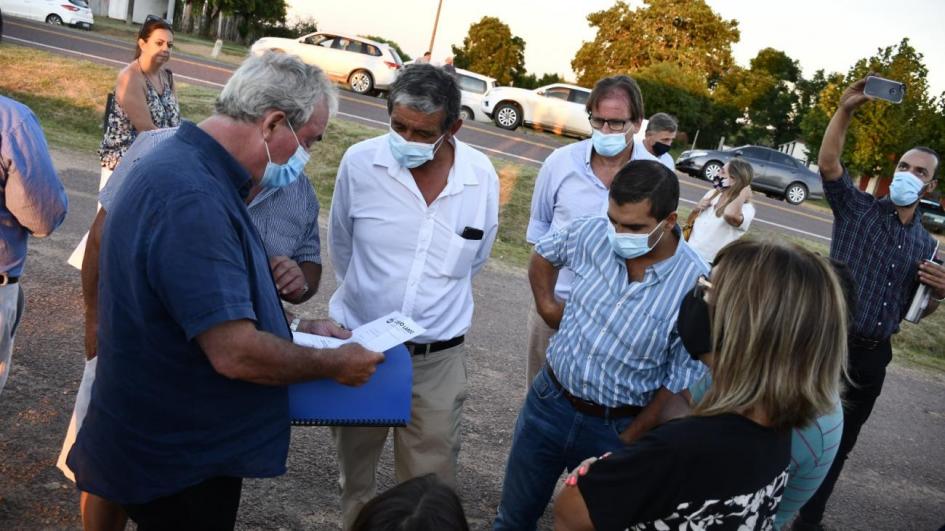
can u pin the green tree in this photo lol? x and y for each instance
(531, 81)
(880, 131)
(403, 55)
(253, 15)
(490, 49)
(686, 32)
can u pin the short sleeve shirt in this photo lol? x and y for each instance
(719, 472)
(179, 256)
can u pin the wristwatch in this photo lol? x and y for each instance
(295, 324)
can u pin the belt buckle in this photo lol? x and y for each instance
(4, 279)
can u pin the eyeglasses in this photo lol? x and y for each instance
(702, 286)
(615, 125)
(151, 19)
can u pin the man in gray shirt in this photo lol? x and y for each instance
(32, 202)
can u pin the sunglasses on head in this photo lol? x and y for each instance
(154, 18)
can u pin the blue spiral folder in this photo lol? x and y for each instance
(383, 401)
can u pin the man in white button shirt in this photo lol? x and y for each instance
(413, 218)
(574, 181)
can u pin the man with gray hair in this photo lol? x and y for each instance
(193, 346)
(660, 133)
(413, 219)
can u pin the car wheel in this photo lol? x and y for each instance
(361, 82)
(54, 20)
(711, 170)
(507, 116)
(795, 194)
(466, 114)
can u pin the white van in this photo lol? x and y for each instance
(473, 87)
(69, 12)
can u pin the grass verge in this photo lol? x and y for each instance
(71, 115)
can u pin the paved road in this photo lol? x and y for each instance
(895, 480)
(519, 146)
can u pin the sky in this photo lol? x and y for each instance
(819, 34)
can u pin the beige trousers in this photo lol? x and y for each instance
(428, 444)
(539, 335)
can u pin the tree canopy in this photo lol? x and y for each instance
(685, 32)
(490, 49)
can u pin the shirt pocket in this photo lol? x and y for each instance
(459, 257)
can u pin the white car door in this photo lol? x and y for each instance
(577, 111)
(15, 8)
(319, 51)
(551, 109)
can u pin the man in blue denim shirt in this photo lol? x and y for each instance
(32, 202)
(194, 349)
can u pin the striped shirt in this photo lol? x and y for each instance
(286, 218)
(617, 343)
(813, 449)
(883, 255)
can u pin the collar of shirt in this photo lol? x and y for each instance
(238, 177)
(461, 173)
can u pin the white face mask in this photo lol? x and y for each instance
(412, 154)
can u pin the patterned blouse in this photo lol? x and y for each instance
(120, 134)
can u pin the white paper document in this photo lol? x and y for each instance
(378, 335)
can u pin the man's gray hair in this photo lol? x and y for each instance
(277, 81)
(428, 89)
(660, 122)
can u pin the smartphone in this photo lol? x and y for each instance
(884, 89)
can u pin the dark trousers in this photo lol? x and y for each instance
(211, 505)
(867, 374)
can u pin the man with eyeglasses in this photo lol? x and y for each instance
(574, 180)
(616, 358)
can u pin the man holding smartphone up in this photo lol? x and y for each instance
(883, 243)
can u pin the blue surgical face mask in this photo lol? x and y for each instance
(279, 175)
(412, 154)
(629, 246)
(905, 188)
(608, 145)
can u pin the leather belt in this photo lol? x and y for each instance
(590, 408)
(7, 279)
(865, 342)
(417, 349)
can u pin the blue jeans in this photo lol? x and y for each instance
(550, 436)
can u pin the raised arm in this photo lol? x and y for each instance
(834, 137)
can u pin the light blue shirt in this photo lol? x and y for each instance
(813, 449)
(286, 218)
(617, 343)
(32, 198)
(567, 189)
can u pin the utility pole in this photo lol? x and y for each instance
(436, 22)
(130, 13)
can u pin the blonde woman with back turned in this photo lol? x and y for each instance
(724, 215)
(778, 353)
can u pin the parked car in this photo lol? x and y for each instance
(473, 87)
(776, 174)
(69, 12)
(933, 215)
(558, 107)
(364, 65)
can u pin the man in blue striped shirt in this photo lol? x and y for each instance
(616, 357)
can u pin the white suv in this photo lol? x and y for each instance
(364, 65)
(558, 107)
(473, 87)
(69, 12)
